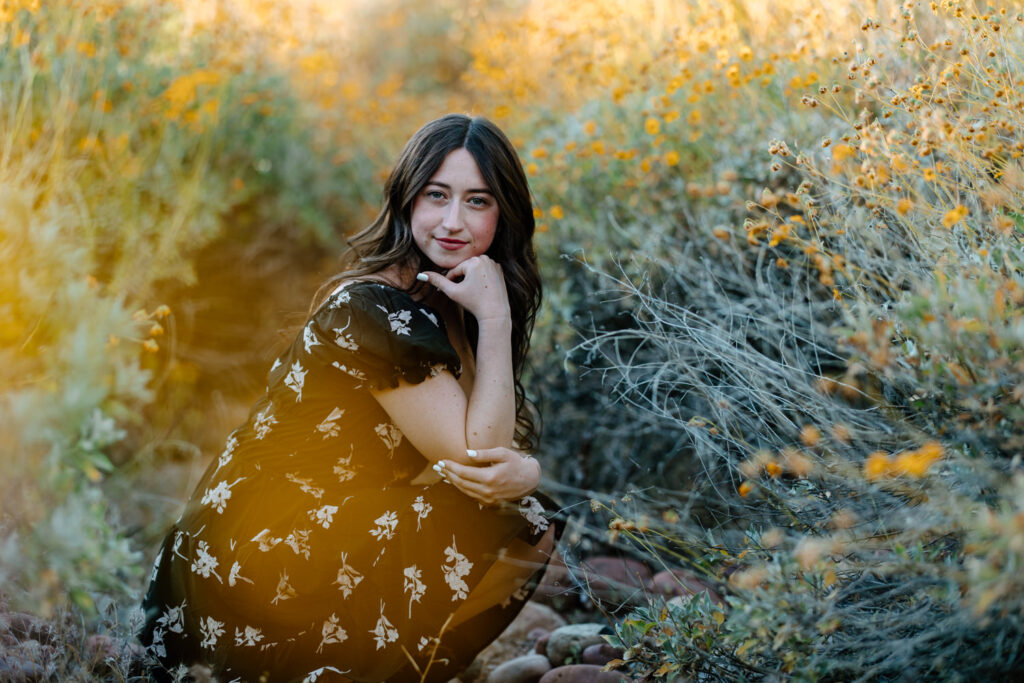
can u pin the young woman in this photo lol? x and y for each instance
(372, 520)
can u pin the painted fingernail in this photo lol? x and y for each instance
(471, 453)
(422, 277)
(439, 468)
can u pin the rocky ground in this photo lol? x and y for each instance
(559, 637)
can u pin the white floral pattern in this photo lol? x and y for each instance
(305, 485)
(399, 321)
(236, 575)
(229, 450)
(211, 630)
(266, 540)
(298, 540)
(284, 589)
(348, 577)
(329, 427)
(351, 372)
(344, 469)
(389, 434)
(248, 637)
(456, 568)
(309, 339)
(531, 509)
(384, 632)
(345, 341)
(341, 296)
(323, 515)
(422, 509)
(296, 379)
(264, 423)
(313, 675)
(430, 316)
(205, 563)
(386, 525)
(331, 632)
(413, 585)
(173, 619)
(218, 496)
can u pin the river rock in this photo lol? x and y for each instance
(541, 646)
(582, 673)
(28, 626)
(615, 577)
(680, 582)
(568, 642)
(525, 669)
(514, 641)
(556, 582)
(600, 654)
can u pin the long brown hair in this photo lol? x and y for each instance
(388, 240)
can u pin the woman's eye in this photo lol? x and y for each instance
(478, 201)
(435, 194)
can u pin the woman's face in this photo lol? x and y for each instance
(455, 215)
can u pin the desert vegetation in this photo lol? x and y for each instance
(780, 347)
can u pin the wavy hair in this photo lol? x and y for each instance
(388, 240)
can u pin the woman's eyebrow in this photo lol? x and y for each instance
(469, 191)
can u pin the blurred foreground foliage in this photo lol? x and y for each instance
(782, 253)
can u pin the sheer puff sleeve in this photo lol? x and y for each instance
(378, 335)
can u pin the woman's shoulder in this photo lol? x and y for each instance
(365, 292)
(375, 301)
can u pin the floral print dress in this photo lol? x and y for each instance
(306, 552)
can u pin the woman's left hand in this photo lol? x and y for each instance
(496, 475)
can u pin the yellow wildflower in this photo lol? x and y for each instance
(842, 152)
(877, 465)
(652, 126)
(672, 158)
(557, 213)
(810, 435)
(954, 216)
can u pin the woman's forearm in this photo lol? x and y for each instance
(491, 412)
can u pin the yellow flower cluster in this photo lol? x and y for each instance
(913, 463)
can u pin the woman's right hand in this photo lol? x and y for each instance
(478, 285)
(496, 475)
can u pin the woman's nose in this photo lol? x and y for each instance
(452, 219)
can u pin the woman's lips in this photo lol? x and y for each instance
(449, 244)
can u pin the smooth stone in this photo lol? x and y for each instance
(29, 626)
(680, 582)
(601, 653)
(525, 669)
(556, 581)
(582, 673)
(26, 662)
(615, 577)
(536, 634)
(541, 646)
(568, 642)
(514, 641)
